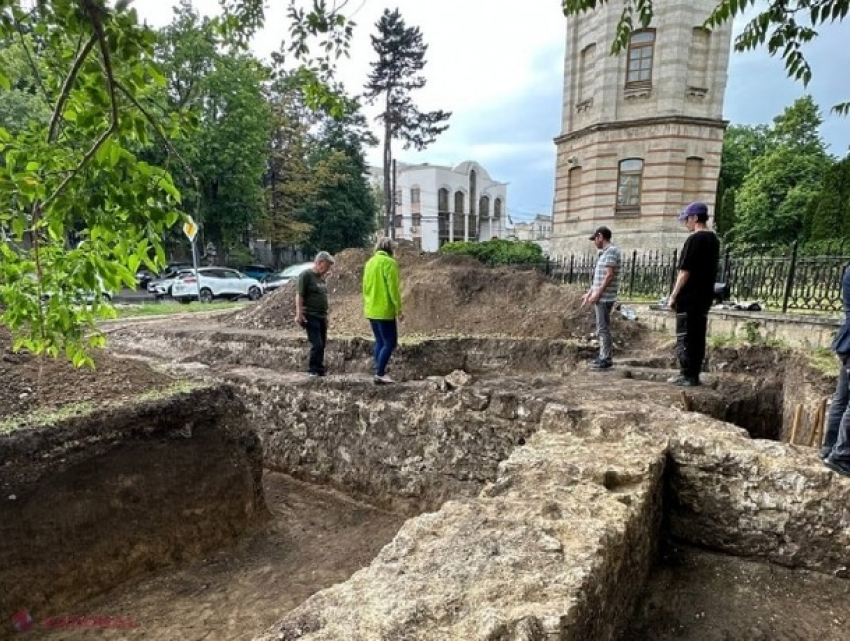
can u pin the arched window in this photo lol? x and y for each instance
(484, 207)
(473, 191)
(443, 214)
(641, 52)
(629, 184)
(497, 209)
(458, 202)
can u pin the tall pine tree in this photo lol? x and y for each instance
(401, 56)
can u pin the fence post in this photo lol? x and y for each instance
(789, 283)
(572, 263)
(632, 275)
(673, 271)
(726, 260)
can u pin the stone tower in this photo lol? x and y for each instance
(642, 132)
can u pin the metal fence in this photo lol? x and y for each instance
(779, 281)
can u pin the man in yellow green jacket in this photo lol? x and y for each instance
(382, 304)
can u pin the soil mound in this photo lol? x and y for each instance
(33, 382)
(445, 295)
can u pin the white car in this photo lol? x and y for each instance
(215, 282)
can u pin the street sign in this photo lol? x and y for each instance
(190, 228)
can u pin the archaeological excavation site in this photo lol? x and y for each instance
(198, 485)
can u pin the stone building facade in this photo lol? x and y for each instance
(642, 132)
(437, 204)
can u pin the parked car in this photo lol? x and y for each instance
(215, 282)
(161, 287)
(143, 277)
(257, 271)
(275, 281)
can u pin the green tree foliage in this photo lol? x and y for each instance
(831, 212)
(76, 168)
(498, 252)
(742, 144)
(86, 166)
(342, 211)
(396, 73)
(222, 90)
(782, 183)
(782, 26)
(289, 181)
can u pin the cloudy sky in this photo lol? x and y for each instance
(498, 67)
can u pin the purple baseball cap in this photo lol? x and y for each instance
(694, 209)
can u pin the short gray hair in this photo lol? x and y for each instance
(325, 257)
(385, 243)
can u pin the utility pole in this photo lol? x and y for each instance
(393, 200)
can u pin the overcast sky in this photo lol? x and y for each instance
(498, 67)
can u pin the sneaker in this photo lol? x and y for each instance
(824, 452)
(600, 364)
(684, 381)
(383, 380)
(838, 465)
(313, 375)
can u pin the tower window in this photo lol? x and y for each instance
(641, 51)
(629, 184)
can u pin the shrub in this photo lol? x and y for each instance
(498, 252)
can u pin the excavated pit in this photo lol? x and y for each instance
(534, 501)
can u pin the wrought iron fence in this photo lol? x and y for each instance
(778, 280)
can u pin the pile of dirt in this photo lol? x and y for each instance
(40, 383)
(445, 295)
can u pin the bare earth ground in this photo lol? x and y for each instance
(694, 595)
(319, 538)
(316, 538)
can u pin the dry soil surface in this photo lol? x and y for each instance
(694, 595)
(316, 538)
(445, 295)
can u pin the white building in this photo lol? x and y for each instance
(537, 231)
(436, 204)
(642, 132)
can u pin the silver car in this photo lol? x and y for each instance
(279, 279)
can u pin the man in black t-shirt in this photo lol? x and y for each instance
(693, 292)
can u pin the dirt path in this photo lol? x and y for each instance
(315, 539)
(695, 595)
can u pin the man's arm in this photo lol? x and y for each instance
(594, 295)
(299, 301)
(681, 279)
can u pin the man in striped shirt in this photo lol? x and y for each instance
(603, 293)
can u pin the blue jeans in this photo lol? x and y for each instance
(837, 436)
(386, 339)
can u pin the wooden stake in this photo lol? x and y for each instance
(795, 426)
(817, 435)
(686, 401)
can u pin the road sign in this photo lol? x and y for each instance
(190, 228)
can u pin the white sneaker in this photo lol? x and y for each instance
(383, 380)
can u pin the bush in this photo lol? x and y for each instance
(498, 252)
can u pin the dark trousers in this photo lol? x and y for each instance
(691, 327)
(837, 436)
(386, 339)
(317, 334)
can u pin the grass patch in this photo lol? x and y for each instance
(823, 360)
(46, 417)
(164, 309)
